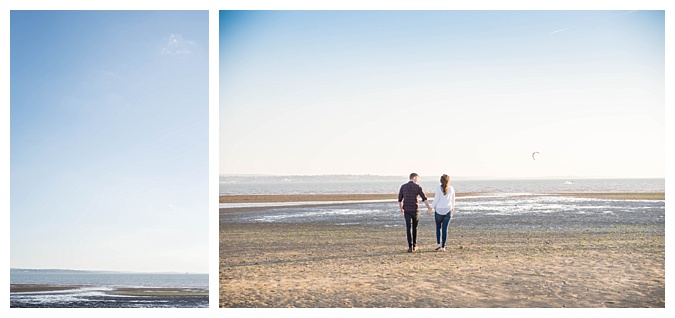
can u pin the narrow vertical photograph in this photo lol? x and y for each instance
(442, 159)
(109, 159)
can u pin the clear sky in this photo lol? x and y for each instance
(468, 93)
(109, 140)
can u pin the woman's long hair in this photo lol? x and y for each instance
(445, 183)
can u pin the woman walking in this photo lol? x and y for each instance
(444, 205)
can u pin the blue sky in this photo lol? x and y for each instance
(109, 140)
(468, 93)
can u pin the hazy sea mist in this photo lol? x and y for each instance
(248, 185)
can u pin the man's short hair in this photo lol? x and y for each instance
(412, 175)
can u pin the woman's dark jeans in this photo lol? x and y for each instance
(442, 222)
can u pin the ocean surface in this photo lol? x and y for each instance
(97, 285)
(502, 204)
(233, 185)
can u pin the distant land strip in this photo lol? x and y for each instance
(264, 198)
(619, 196)
(269, 198)
(24, 288)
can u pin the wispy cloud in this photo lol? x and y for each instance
(595, 22)
(177, 45)
(561, 30)
(624, 13)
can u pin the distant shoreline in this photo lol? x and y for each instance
(273, 198)
(57, 270)
(34, 288)
(378, 177)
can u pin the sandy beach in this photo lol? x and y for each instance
(320, 265)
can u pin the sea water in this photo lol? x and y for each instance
(96, 286)
(499, 204)
(242, 185)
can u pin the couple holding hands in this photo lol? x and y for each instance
(444, 206)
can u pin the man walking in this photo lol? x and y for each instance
(407, 201)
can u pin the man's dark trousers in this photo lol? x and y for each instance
(412, 218)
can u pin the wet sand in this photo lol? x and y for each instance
(129, 291)
(164, 292)
(34, 288)
(121, 297)
(320, 265)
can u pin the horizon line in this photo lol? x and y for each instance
(107, 271)
(458, 176)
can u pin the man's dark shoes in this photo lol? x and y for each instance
(410, 249)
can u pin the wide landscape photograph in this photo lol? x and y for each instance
(442, 159)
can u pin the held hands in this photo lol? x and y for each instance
(428, 211)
